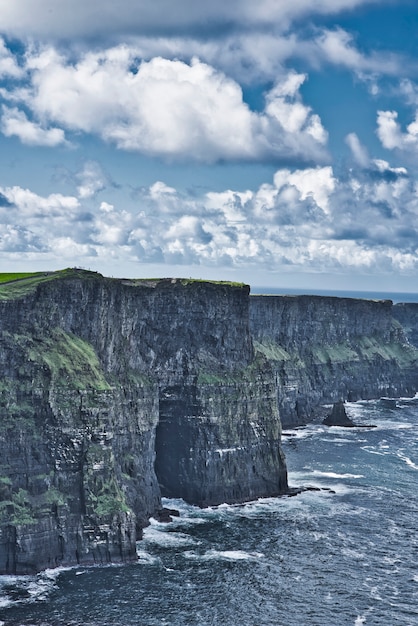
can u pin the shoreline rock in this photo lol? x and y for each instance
(339, 417)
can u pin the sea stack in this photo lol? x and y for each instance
(338, 416)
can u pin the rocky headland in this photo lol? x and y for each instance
(326, 349)
(114, 393)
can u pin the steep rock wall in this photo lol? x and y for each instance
(325, 349)
(93, 371)
(406, 313)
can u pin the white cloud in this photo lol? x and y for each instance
(308, 220)
(14, 123)
(383, 166)
(318, 183)
(164, 108)
(31, 204)
(91, 180)
(60, 19)
(337, 47)
(9, 68)
(358, 151)
(390, 133)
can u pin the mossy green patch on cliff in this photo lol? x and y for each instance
(71, 360)
(272, 351)
(334, 353)
(405, 354)
(16, 411)
(106, 498)
(18, 510)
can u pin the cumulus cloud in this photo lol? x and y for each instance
(390, 132)
(308, 220)
(14, 123)
(164, 108)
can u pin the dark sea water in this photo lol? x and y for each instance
(345, 555)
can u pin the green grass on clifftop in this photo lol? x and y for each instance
(7, 278)
(16, 285)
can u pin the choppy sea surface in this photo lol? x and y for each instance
(344, 555)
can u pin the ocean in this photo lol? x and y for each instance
(395, 296)
(344, 554)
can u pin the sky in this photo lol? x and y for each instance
(272, 142)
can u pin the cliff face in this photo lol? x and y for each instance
(406, 313)
(325, 349)
(113, 391)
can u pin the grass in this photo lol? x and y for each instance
(13, 286)
(7, 278)
(17, 285)
(71, 360)
(272, 351)
(228, 283)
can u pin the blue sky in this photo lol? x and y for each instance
(269, 142)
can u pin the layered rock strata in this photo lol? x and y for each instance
(114, 391)
(326, 349)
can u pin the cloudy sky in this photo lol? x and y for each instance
(270, 142)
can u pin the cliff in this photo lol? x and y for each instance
(113, 392)
(406, 313)
(326, 349)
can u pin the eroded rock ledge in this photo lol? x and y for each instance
(115, 392)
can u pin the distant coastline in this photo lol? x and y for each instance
(367, 295)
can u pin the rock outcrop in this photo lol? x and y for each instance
(338, 416)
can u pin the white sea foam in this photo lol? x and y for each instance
(298, 433)
(32, 588)
(335, 475)
(317, 479)
(372, 450)
(166, 538)
(360, 619)
(144, 558)
(353, 554)
(407, 460)
(224, 555)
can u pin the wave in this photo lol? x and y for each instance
(29, 589)
(224, 555)
(335, 475)
(145, 558)
(166, 538)
(407, 460)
